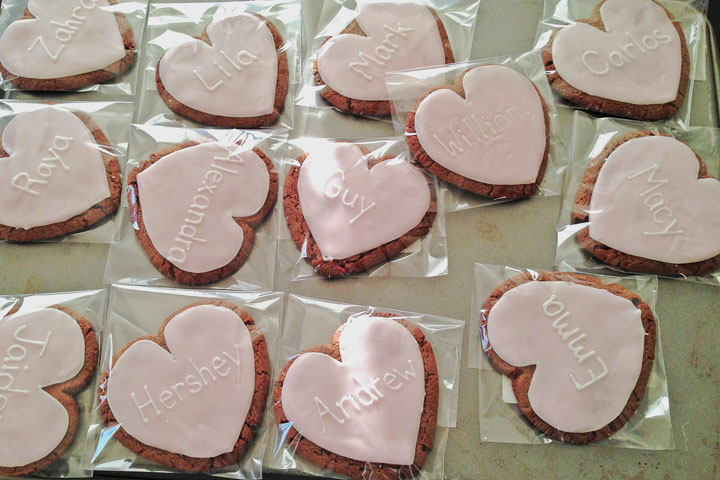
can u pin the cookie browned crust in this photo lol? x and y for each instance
(474, 186)
(281, 89)
(65, 393)
(522, 376)
(613, 107)
(301, 235)
(81, 80)
(355, 468)
(247, 224)
(252, 421)
(616, 258)
(89, 217)
(370, 107)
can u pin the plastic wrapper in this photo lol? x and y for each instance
(113, 118)
(172, 24)
(425, 257)
(124, 84)
(127, 261)
(407, 86)
(309, 322)
(458, 17)
(137, 311)
(501, 420)
(90, 305)
(689, 13)
(590, 136)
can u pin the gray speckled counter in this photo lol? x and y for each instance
(519, 234)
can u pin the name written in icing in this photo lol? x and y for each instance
(66, 31)
(655, 202)
(383, 52)
(553, 308)
(188, 232)
(473, 130)
(333, 191)
(243, 59)
(365, 395)
(623, 56)
(45, 169)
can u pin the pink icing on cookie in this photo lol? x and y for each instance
(192, 400)
(637, 61)
(189, 198)
(586, 344)
(235, 77)
(37, 349)
(54, 171)
(477, 137)
(67, 37)
(351, 209)
(647, 201)
(368, 406)
(399, 36)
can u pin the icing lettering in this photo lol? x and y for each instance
(243, 59)
(23, 181)
(624, 54)
(383, 52)
(472, 129)
(195, 381)
(188, 231)
(66, 31)
(655, 202)
(12, 362)
(553, 308)
(365, 395)
(334, 190)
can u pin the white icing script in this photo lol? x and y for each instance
(552, 308)
(365, 395)
(480, 130)
(623, 55)
(187, 234)
(193, 384)
(655, 202)
(66, 31)
(15, 355)
(383, 52)
(25, 182)
(243, 58)
(334, 191)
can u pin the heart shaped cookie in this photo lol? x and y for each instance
(628, 59)
(192, 396)
(651, 207)
(194, 208)
(366, 402)
(383, 37)
(55, 177)
(467, 134)
(234, 75)
(578, 351)
(48, 356)
(346, 217)
(65, 45)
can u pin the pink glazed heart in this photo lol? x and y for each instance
(648, 202)
(67, 37)
(235, 76)
(477, 137)
(586, 343)
(351, 209)
(368, 406)
(400, 36)
(193, 398)
(638, 59)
